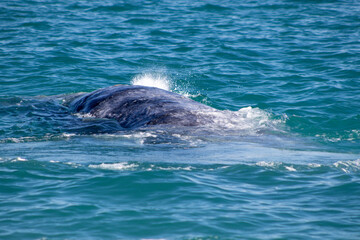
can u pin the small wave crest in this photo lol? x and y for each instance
(41, 138)
(350, 166)
(347, 167)
(115, 166)
(343, 167)
(126, 166)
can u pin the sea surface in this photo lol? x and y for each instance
(282, 162)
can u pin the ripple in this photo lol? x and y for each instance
(140, 21)
(295, 63)
(211, 8)
(40, 25)
(116, 8)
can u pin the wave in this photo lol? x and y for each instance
(351, 166)
(344, 167)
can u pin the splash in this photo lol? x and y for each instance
(246, 121)
(163, 81)
(152, 80)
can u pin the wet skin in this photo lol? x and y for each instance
(138, 106)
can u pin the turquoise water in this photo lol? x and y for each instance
(283, 163)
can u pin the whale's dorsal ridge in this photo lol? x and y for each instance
(136, 106)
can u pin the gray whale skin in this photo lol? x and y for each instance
(138, 106)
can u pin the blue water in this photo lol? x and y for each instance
(282, 162)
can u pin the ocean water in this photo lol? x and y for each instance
(282, 162)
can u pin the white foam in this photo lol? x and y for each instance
(19, 140)
(348, 166)
(290, 168)
(140, 135)
(349, 135)
(75, 165)
(68, 135)
(122, 166)
(84, 115)
(189, 168)
(46, 137)
(152, 80)
(115, 166)
(246, 119)
(265, 164)
(19, 159)
(314, 165)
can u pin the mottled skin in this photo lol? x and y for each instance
(137, 106)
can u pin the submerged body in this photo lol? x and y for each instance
(137, 106)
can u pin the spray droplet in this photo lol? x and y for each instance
(152, 80)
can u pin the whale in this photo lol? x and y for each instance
(135, 106)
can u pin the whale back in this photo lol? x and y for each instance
(137, 106)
